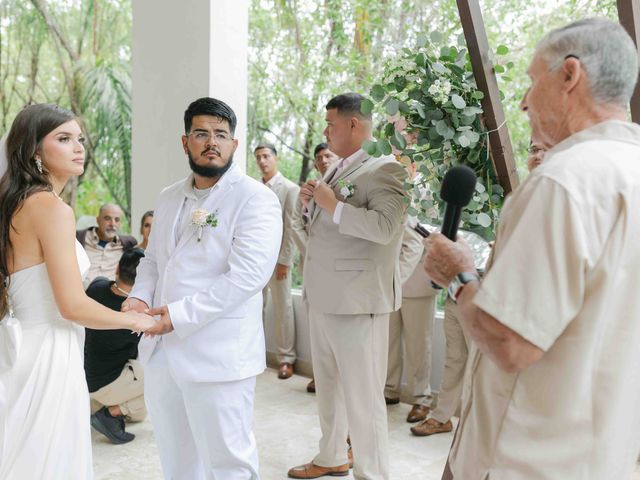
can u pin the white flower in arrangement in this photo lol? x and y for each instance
(201, 218)
(347, 189)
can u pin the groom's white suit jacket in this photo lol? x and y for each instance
(213, 287)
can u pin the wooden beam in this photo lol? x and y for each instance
(629, 15)
(494, 119)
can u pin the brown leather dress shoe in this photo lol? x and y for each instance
(285, 371)
(431, 426)
(311, 386)
(391, 401)
(311, 470)
(417, 413)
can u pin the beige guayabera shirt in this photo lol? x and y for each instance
(566, 276)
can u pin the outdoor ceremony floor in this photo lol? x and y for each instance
(287, 432)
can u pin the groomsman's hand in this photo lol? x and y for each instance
(163, 325)
(325, 197)
(134, 304)
(281, 271)
(306, 191)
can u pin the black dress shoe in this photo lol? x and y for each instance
(391, 401)
(111, 427)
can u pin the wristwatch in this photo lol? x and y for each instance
(458, 282)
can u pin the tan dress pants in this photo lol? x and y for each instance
(456, 353)
(349, 355)
(411, 326)
(284, 322)
(126, 391)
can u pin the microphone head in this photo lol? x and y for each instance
(458, 185)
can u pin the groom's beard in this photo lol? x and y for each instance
(209, 171)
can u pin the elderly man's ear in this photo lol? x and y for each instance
(573, 73)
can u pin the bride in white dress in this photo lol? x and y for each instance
(44, 401)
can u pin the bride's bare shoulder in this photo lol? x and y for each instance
(47, 205)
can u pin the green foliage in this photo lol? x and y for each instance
(434, 119)
(79, 57)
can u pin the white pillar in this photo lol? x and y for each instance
(182, 51)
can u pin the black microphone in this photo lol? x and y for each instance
(458, 186)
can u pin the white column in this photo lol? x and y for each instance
(182, 51)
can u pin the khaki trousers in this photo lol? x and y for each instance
(456, 353)
(284, 322)
(411, 326)
(349, 355)
(126, 391)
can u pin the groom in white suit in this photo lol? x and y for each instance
(214, 246)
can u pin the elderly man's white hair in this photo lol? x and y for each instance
(606, 51)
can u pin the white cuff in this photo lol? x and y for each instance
(337, 214)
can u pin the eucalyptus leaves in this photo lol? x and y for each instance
(434, 119)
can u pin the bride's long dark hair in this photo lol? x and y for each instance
(23, 178)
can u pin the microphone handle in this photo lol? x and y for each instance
(451, 221)
(449, 228)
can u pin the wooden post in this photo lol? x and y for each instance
(629, 15)
(499, 140)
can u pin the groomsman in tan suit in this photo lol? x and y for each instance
(412, 326)
(280, 282)
(356, 216)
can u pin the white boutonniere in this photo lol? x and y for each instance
(202, 218)
(347, 189)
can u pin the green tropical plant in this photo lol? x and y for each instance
(434, 118)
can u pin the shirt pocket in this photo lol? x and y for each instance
(354, 264)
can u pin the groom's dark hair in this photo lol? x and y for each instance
(212, 107)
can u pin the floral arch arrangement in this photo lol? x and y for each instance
(434, 119)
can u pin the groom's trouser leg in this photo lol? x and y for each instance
(221, 418)
(352, 351)
(176, 446)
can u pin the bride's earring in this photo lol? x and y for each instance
(39, 165)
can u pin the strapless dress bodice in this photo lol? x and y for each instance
(30, 293)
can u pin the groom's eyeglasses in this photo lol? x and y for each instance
(203, 136)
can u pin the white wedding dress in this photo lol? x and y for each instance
(44, 401)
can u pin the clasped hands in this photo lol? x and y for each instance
(159, 327)
(321, 193)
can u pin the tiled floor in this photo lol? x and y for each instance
(287, 432)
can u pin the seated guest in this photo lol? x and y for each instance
(114, 376)
(103, 245)
(145, 228)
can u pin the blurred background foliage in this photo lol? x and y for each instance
(77, 53)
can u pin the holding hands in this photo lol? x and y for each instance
(151, 327)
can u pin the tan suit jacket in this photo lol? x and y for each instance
(353, 268)
(287, 193)
(415, 281)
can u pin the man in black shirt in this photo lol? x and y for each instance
(114, 377)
